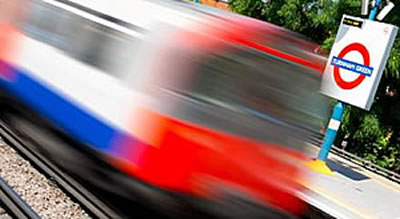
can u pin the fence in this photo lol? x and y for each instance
(316, 139)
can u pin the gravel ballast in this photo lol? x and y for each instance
(3, 214)
(40, 193)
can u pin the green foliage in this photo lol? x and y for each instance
(393, 66)
(257, 9)
(373, 135)
(316, 19)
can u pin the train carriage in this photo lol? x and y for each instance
(182, 99)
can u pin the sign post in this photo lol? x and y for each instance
(353, 71)
(374, 11)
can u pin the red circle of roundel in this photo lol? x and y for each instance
(347, 85)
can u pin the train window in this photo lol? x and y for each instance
(253, 82)
(248, 81)
(100, 46)
(43, 23)
(239, 90)
(92, 43)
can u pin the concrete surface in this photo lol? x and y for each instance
(352, 192)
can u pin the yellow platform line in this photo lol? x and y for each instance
(335, 199)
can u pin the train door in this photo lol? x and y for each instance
(11, 14)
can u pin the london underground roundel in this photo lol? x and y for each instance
(362, 69)
(357, 60)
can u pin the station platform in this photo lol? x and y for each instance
(353, 192)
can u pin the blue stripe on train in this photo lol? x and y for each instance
(74, 121)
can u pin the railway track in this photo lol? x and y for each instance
(92, 205)
(14, 204)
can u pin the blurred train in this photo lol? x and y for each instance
(175, 105)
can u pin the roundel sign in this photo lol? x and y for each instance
(361, 69)
(360, 53)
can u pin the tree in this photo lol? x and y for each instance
(373, 135)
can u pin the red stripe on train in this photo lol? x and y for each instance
(195, 160)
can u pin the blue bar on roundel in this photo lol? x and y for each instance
(352, 66)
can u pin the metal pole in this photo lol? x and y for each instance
(374, 11)
(333, 127)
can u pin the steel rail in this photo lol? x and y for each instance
(15, 205)
(93, 206)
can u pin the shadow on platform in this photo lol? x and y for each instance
(345, 171)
